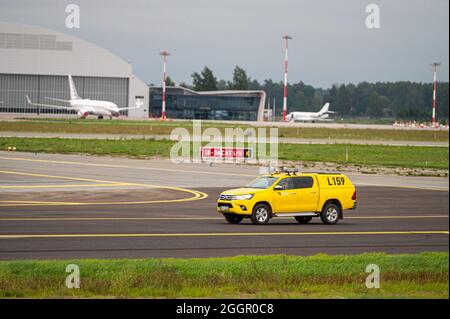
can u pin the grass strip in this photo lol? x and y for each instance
(372, 155)
(423, 275)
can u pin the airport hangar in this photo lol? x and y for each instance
(35, 61)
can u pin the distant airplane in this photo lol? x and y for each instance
(86, 107)
(321, 116)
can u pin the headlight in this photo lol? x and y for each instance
(244, 197)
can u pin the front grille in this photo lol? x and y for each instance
(226, 197)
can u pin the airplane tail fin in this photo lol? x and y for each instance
(324, 109)
(73, 89)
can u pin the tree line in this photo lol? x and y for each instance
(401, 100)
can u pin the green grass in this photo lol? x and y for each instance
(76, 126)
(364, 155)
(133, 148)
(368, 155)
(422, 275)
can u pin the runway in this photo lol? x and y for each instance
(337, 124)
(69, 206)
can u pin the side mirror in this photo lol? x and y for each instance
(278, 187)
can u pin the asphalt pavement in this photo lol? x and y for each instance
(70, 206)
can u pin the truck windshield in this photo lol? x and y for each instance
(262, 182)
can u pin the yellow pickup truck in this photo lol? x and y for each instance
(289, 194)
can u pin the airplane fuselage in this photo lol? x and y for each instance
(87, 107)
(307, 116)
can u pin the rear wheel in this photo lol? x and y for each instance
(330, 214)
(303, 219)
(260, 215)
(232, 218)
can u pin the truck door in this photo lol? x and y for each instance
(285, 199)
(307, 190)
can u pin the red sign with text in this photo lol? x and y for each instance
(225, 152)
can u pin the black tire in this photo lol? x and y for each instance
(261, 214)
(233, 218)
(330, 214)
(303, 219)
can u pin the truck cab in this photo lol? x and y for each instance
(290, 194)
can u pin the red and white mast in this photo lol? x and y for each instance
(165, 54)
(286, 38)
(433, 117)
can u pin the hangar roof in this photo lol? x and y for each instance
(27, 49)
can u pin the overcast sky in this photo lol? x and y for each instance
(331, 42)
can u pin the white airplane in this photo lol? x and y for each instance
(86, 107)
(321, 116)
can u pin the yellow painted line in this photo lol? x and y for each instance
(55, 177)
(193, 218)
(26, 202)
(61, 186)
(126, 166)
(197, 195)
(424, 232)
(107, 218)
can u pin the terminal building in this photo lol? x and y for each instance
(36, 61)
(182, 103)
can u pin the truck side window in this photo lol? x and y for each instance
(286, 183)
(303, 182)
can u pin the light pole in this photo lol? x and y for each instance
(433, 117)
(165, 54)
(286, 38)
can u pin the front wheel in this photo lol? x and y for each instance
(232, 218)
(330, 214)
(260, 215)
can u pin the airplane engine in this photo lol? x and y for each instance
(82, 113)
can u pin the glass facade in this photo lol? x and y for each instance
(185, 104)
(14, 87)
